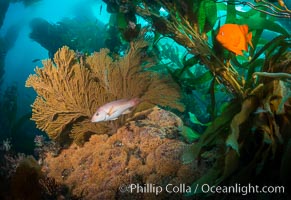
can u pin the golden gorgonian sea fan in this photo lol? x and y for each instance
(70, 89)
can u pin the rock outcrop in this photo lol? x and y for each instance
(144, 151)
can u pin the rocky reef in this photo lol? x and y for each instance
(146, 150)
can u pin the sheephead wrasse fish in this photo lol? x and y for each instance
(235, 37)
(112, 110)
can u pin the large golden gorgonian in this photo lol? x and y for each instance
(70, 89)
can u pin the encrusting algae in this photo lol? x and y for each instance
(70, 89)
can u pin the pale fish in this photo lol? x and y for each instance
(112, 110)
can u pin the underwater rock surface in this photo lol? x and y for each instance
(142, 151)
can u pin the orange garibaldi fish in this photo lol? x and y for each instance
(235, 37)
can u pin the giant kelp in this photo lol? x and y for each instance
(85, 35)
(13, 126)
(251, 133)
(4, 5)
(71, 88)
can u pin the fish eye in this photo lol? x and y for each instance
(97, 114)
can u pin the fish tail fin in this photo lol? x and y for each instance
(249, 35)
(249, 39)
(244, 29)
